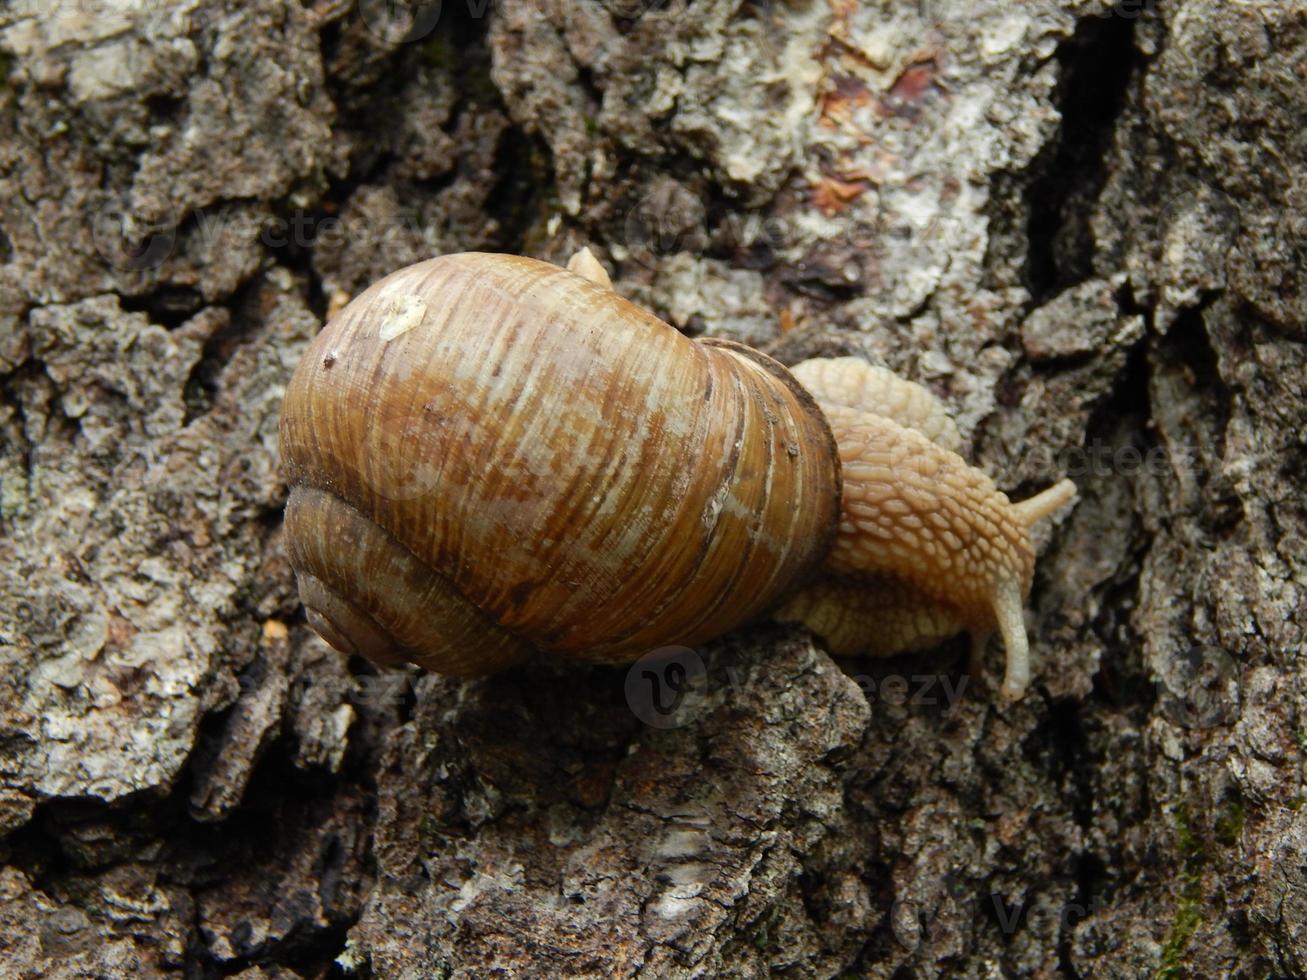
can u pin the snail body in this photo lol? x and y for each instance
(491, 457)
(928, 546)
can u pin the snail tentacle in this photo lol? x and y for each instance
(928, 546)
(584, 264)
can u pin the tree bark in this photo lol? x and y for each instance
(1080, 224)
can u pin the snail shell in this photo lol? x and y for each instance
(490, 456)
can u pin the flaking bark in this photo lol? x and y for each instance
(1080, 225)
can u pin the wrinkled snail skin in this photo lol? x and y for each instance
(491, 458)
(928, 546)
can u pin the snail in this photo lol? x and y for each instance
(491, 457)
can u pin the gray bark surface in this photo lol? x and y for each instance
(1082, 225)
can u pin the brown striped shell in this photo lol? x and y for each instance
(490, 456)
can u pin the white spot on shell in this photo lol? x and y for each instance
(404, 311)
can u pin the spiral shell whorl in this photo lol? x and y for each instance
(365, 593)
(584, 477)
